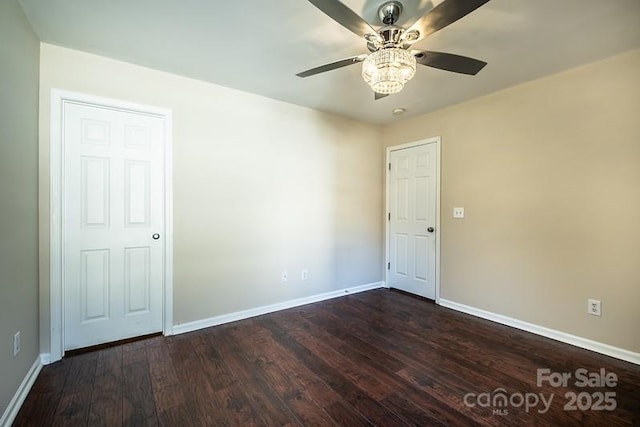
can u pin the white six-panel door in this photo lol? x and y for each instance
(412, 219)
(113, 189)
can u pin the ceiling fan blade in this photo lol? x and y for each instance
(449, 62)
(380, 95)
(332, 66)
(344, 16)
(444, 14)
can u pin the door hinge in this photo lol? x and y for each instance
(388, 266)
(389, 166)
(389, 216)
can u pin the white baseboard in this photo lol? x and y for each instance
(598, 347)
(45, 358)
(21, 394)
(252, 312)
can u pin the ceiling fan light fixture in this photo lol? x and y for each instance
(387, 70)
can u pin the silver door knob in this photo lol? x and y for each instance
(431, 229)
(156, 236)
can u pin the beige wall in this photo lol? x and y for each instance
(547, 172)
(259, 186)
(19, 56)
(549, 175)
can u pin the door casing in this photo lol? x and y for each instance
(56, 281)
(433, 140)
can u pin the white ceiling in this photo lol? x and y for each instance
(258, 46)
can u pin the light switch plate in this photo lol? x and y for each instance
(458, 212)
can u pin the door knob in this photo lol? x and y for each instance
(431, 229)
(156, 236)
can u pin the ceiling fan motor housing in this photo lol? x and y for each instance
(390, 12)
(391, 36)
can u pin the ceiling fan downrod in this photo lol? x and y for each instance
(391, 35)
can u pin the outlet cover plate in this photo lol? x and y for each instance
(458, 213)
(594, 307)
(16, 343)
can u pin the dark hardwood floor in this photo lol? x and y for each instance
(374, 358)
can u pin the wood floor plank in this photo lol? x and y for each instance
(373, 358)
(398, 383)
(138, 404)
(352, 394)
(269, 351)
(342, 332)
(237, 406)
(167, 389)
(346, 415)
(302, 403)
(377, 368)
(195, 385)
(408, 341)
(250, 388)
(75, 402)
(447, 388)
(48, 388)
(212, 363)
(409, 412)
(295, 396)
(328, 350)
(458, 341)
(445, 385)
(72, 410)
(108, 391)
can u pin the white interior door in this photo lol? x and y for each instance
(412, 219)
(113, 209)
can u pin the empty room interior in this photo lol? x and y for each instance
(322, 212)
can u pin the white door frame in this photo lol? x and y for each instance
(56, 281)
(433, 140)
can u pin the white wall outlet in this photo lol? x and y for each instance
(594, 307)
(16, 343)
(285, 275)
(458, 212)
(304, 274)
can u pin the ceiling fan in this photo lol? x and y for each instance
(391, 61)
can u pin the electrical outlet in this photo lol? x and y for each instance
(16, 343)
(458, 212)
(304, 275)
(285, 275)
(594, 307)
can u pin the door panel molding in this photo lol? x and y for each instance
(94, 133)
(388, 208)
